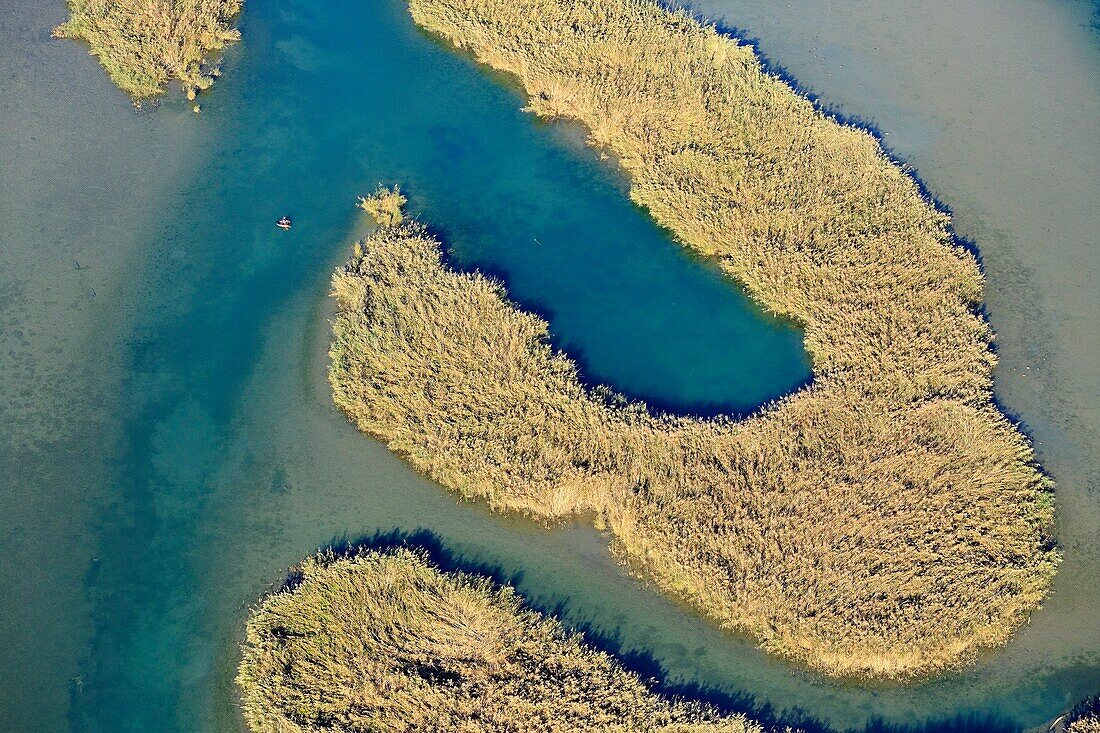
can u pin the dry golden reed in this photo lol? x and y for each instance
(885, 521)
(385, 642)
(1087, 724)
(385, 206)
(856, 539)
(1085, 718)
(144, 44)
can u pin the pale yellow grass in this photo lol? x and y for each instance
(1087, 722)
(858, 537)
(144, 44)
(886, 521)
(385, 642)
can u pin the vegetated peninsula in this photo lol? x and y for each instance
(144, 44)
(885, 521)
(855, 530)
(385, 641)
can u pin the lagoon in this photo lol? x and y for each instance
(170, 446)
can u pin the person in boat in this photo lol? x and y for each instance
(283, 223)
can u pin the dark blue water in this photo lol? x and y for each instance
(202, 455)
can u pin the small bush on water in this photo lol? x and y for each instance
(384, 641)
(386, 206)
(144, 44)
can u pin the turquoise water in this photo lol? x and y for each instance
(349, 101)
(170, 446)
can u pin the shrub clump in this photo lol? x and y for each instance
(144, 44)
(1086, 724)
(386, 206)
(384, 641)
(1084, 717)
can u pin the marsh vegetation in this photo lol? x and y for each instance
(1084, 717)
(888, 520)
(843, 528)
(144, 44)
(386, 206)
(385, 641)
(1085, 724)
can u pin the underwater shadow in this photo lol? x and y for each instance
(421, 540)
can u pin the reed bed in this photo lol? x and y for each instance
(886, 521)
(1084, 717)
(386, 642)
(386, 206)
(144, 44)
(1085, 724)
(852, 532)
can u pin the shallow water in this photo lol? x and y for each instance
(169, 444)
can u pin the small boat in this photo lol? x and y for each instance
(283, 223)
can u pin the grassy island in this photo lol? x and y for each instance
(886, 521)
(384, 641)
(144, 44)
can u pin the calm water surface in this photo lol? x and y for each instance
(169, 446)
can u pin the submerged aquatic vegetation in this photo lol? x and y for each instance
(385, 641)
(857, 532)
(144, 44)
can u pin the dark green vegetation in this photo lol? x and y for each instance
(144, 44)
(387, 642)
